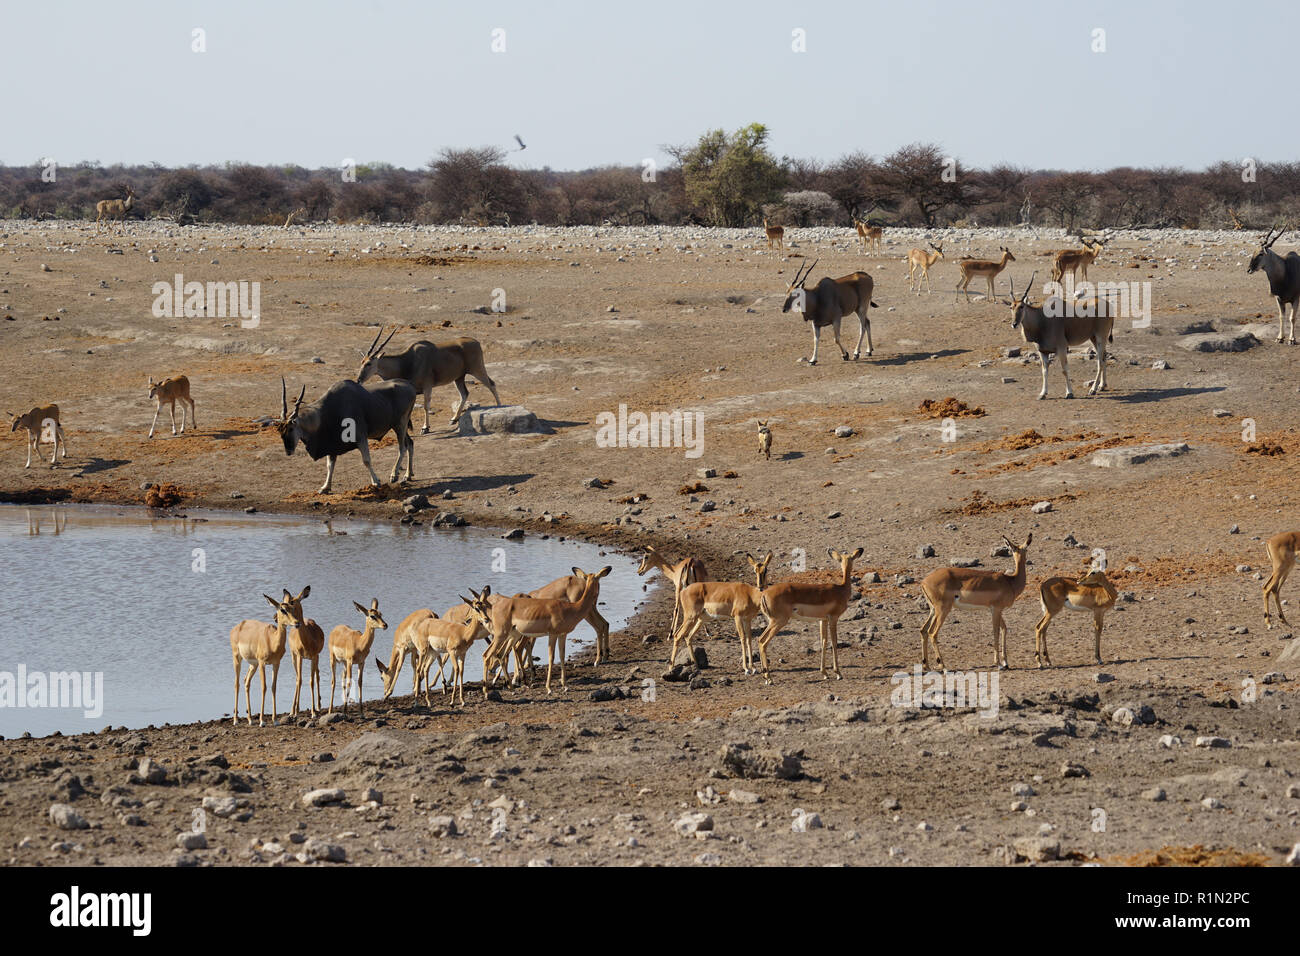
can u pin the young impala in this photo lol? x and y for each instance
(349, 647)
(1092, 592)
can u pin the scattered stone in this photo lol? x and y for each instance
(805, 821)
(1074, 770)
(744, 796)
(1212, 803)
(1218, 342)
(1137, 454)
(843, 431)
(320, 798)
(66, 818)
(1213, 742)
(1041, 507)
(742, 760)
(925, 551)
(890, 804)
(326, 852)
(1123, 716)
(1037, 849)
(445, 826)
(192, 841)
(1169, 741)
(692, 823)
(1155, 794)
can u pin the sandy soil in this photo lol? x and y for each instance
(690, 319)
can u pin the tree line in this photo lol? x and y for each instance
(723, 179)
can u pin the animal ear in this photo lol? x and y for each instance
(603, 571)
(382, 669)
(831, 552)
(857, 554)
(272, 601)
(305, 591)
(374, 604)
(1029, 539)
(487, 591)
(359, 607)
(578, 572)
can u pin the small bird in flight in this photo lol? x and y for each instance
(521, 143)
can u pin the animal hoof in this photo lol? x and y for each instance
(812, 361)
(424, 430)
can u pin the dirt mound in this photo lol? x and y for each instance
(1267, 449)
(35, 496)
(164, 495)
(1192, 856)
(948, 408)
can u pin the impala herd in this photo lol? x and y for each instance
(510, 625)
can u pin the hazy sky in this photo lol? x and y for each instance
(588, 84)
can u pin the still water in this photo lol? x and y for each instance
(142, 606)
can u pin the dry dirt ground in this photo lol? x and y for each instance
(690, 319)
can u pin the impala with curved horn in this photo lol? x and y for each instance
(426, 366)
(1283, 278)
(828, 302)
(345, 418)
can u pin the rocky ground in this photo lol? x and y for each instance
(1180, 748)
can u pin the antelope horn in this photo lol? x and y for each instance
(284, 400)
(371, 350)
(298, 403)
(794, 283)
(809, 272)
(387, 340)
(1029, 288)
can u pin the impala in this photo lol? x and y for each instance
(349, 647)
(718, 600)
(823, 603)
(533, 617)
(828, 302)
(988, 268)
(1092, 592)
(920, 259)
(1076, 260)
(42, 424)
(168, 392)
(684, 572)
(871, 234)
(1281, 550)
(994, 590)
(260, 644)
(445, 638)
(306, 641)
(406, 644)
(775, 234)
